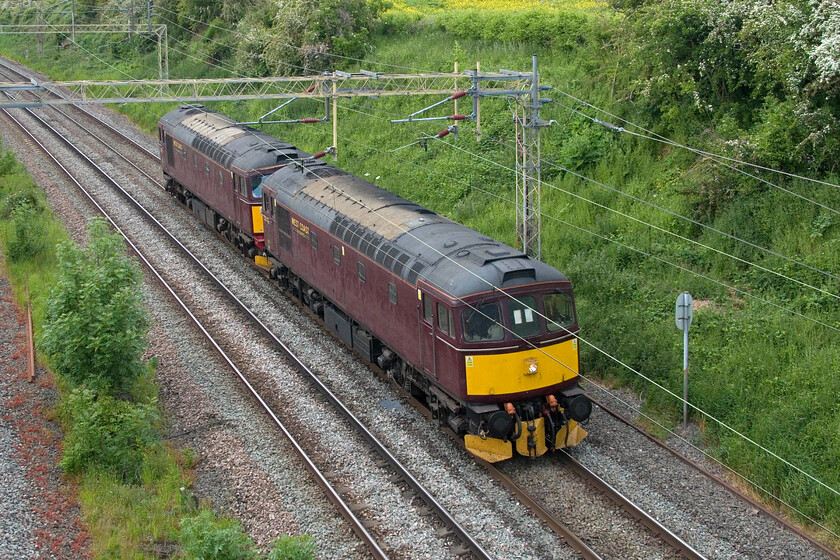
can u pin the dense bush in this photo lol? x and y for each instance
(551, 28)
(307, 35)
(206, 538)
(106, 433)
(772, 67)
(27, 236)
(95, 323)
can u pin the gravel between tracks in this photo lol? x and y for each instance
(481, 507)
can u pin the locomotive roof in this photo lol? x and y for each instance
(225, 141)
(411, 241)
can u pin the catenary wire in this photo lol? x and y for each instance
(659, 138)
(508, 201)
(677, 215)
(618, 361)
(585, 341)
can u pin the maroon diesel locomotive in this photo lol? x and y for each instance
(216, 167)
(477, 331)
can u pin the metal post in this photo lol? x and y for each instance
(39, 38)
(685, 379)
(131, 18)
(477, 105)
(73, 20)
(335, 117)
(30, 338)
(149, 17)
(455, 87)
(683, 315)
(529, 187)
(160, 54)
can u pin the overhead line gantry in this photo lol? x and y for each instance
(332, 86)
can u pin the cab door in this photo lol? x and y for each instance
(239, 186)
(427, 335)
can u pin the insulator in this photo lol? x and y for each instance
(443, 133)
(311, 88)
(309, 121)
(461, 93)
(457, 117)
(319, 155)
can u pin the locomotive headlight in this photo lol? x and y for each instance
(532, 366)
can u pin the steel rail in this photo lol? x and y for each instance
(825, 549)
(625, 503)
(559, 528)
(395, 464)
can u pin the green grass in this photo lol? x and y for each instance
(125, 521)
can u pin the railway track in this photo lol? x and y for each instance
(822, 547)
(407, 483)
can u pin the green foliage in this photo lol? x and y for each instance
(206, 538)
(8, 163)
(27, 240)
(27, 231)
(95, 321)
(306, 34)
(106, 433)
(557, 29)
(293, 548)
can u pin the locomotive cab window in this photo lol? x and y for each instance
(336, 255)
(428, 309)
(523, 316)
(483, 323)
(445, 320)
(559, 311)
(266, 204)
(256, 186)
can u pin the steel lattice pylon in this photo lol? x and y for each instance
(528, 157)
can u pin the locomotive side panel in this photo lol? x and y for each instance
(204, 178)
(375, 298)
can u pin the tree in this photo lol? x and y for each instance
(308, 33)
(95, 322)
